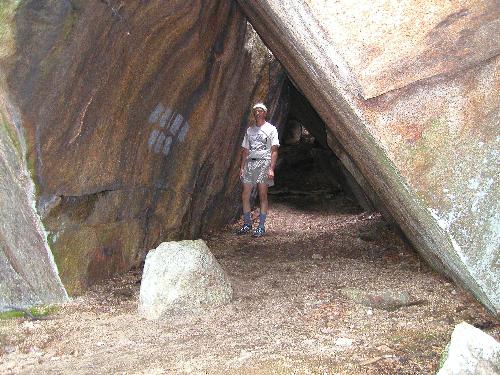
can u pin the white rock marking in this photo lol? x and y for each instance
(166, 147)
(172, 127)
(177, 124)
(152, 138)
(159, 142)
(153, 117)
(182, 134)
(165, 117)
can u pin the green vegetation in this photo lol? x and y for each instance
(51, 60)
(444, 356)
(69, 24)
(431, 138)
(7, 10)
(51, 237)
(30, 164)
(32, 312)
(72, 255)
(10, 133)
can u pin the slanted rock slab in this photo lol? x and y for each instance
(471, 351)
(181, 276)
(412, 113)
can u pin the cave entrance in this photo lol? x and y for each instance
(317, 207)
(309, 175)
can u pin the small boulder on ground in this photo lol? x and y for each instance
(470, 351)
(385, 300)
(181, 276)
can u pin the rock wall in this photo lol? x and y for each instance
(28, 274)
(133, 113)
(410, 91)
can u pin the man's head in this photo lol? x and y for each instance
(259, 111)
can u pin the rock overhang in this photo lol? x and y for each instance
(413, 133)
(374, 111)
(124, 108)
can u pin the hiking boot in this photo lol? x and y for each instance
(258, 232)
(244, 229)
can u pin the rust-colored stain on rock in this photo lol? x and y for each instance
(134, 116)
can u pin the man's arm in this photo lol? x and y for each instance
(274, 157)
(244, 156)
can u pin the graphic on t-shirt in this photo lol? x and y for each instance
(258, 142)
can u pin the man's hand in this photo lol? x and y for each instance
(274, 158)
(270, 174)
(244, 156)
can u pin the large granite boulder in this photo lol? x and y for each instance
(133, 113)
(28, 273)
(409, 93)
(181, 277)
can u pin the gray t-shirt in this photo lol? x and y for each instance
(259, 140)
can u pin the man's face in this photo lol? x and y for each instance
(259, 114)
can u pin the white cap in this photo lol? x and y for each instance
(261, 106)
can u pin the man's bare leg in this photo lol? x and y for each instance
(245, 197)
(247, 219)
(262, 188)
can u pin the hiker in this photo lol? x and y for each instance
(258, 160)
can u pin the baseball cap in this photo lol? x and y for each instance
(261, 106)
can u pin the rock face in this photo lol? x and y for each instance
(133, 112)
(181, 276)
(28, 274)
(470, 352)
(409, 90)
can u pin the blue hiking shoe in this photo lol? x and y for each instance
(258, 232)
(244, 229)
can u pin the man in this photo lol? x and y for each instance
(258, 160)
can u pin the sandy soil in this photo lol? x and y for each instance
(288, 315)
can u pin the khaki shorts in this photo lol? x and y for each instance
(256, 171)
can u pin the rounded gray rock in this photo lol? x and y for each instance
(181, 276)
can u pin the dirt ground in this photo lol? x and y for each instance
(288, 315)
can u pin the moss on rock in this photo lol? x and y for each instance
(31, 312)
(7, 11)
(11, 134)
